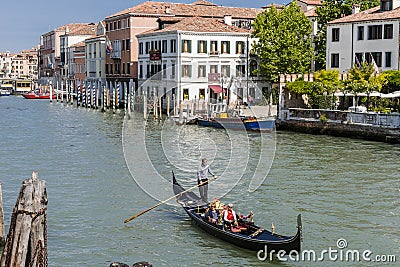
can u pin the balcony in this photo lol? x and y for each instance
(115, 55)
(214, 53)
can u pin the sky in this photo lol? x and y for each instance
(23, 21)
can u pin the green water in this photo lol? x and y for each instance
(343, 188)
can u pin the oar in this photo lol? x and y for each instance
(168, 199)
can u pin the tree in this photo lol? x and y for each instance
(331, 10)
(284, 41)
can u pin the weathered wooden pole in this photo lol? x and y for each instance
(160, 105)
(26, 243)
(168, 103)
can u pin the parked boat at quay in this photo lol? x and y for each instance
(5, 92)
(34, 95)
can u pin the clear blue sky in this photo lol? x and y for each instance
(23, 21)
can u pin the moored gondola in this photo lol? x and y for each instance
(252, 237)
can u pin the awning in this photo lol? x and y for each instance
(216, 88)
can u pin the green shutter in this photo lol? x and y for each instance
(183, 42)
(190, 46)
(198, 47)
(228, 47)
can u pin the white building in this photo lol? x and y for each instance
(370, 35)
(95, 58)
(5, 64)
(194, 58)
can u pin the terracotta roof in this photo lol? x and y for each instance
(80, 44)
(78, 28)
(369, 15)
(311, 13)
(199, 24)
(273, 5)
(199, 8)
(312, 2)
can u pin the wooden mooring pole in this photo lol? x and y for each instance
(26, 243)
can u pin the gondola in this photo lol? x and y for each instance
(252, 238)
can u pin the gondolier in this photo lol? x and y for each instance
(202, 177)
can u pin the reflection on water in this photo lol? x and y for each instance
(343, 188)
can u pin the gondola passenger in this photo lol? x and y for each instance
(212, 215)
(230, 218)
(218, 204)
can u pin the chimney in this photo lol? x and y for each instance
(228, 20)
(355, 9)
(167, 10)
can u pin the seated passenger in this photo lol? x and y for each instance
(212, 214)
(230, 217)
(218, 204)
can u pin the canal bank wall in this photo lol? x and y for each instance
(373, 127)
(365, 132)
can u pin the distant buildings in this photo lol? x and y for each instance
(371, 35)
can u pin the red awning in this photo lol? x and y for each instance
(216, 88)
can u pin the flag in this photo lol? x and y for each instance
(376, 69)
(49, 62)
(358, 62)
(109, 46)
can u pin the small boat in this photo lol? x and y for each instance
(5, 92)
(33, 95)
(250, 237)
(238, 123)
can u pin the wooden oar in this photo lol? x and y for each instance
(168, 199)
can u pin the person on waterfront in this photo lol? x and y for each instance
(250, 100)
(202, 177)
(212, 214)
(230, 217)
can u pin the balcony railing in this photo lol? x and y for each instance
(214, 53)
(115, 54)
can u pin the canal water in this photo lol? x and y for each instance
(100, 170)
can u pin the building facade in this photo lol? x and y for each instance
(24, 65)
(371, 35)
(122, 28)
(197, 58)
(5, 64)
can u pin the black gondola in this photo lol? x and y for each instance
(253, 238)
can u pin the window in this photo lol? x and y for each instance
(386, 5)
(119, 24)
(388, 31)
(140, 48)
(140, 71)
(239, 47)
(334, 60)
(202, 71)
(115, 25)
(388, 59)
(202, 93)
(213, 68)
(164, 46)
(164, 70)
(173, 46)
(201, 47)
(240, 70)
(358, 59)
(128, 68)
(173, 69)
(335, 34)
(128, 44)
(226, 70)
(214, 47)
(374, 32)
(128, 22)
(360, 33)
(185, 94)
(225, 47)
(186, 71)
(186, 46)
(123, 45)
(377, 56)
(111, 26)
(147, 47)
(253, 68)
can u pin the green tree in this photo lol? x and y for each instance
(331, 10)
(284, 41)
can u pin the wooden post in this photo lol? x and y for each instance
(2, 241)
(26, 243)
(168, 103)
(145, 106)
(160, 104)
